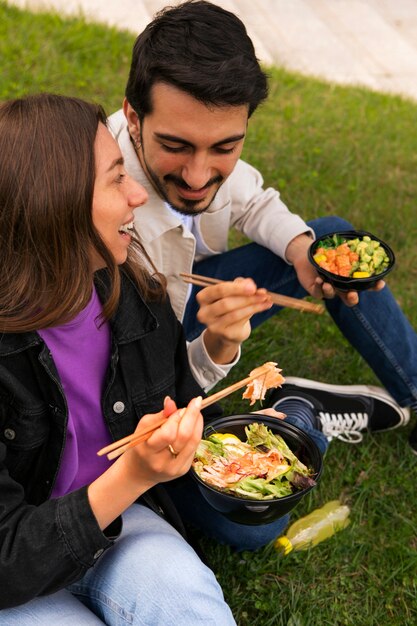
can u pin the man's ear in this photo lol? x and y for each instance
(133, 122)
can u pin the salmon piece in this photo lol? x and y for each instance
(338, 260)
(343, 249)
(224, 472)
(269, 377)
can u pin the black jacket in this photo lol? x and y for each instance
(47, 544)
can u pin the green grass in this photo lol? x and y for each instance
(330, 150)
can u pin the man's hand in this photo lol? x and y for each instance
(225, 309)
(296, 254)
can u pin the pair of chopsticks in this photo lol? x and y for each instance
(117, 448)
(277, 298)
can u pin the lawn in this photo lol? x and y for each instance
(330, 150)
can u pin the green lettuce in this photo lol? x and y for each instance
(280, 482)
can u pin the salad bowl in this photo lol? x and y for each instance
(375, 260)
(247, 510)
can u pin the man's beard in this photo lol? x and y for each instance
(188, 207)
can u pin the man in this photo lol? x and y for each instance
(193, 85)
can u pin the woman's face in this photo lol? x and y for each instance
(115, 196)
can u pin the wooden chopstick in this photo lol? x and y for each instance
(116, 449)
(120, 446)
(277, 298)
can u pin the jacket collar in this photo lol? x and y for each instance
(12, 343)
(132, 320)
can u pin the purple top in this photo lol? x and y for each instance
(81, 352)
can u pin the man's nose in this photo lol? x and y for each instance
(197, 171)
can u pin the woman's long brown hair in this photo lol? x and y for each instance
(47, 173)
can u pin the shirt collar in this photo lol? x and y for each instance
(154, 218)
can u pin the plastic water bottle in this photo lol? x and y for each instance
(315, 527)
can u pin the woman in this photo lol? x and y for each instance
(89, 346)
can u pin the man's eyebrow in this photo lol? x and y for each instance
(115, 163)
(231, 139)
(176, 139)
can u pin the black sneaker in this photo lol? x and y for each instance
(345, 410)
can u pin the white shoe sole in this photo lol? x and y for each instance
(369, 391)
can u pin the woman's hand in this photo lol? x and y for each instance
(169, 451)
(167, 454)
(225, 310)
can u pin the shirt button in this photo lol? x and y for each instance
(10, 434)
(118, 407)
(98, 553)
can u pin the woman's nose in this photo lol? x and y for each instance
(137, 194)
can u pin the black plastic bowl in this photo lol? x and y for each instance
(254, 512)
(345, 283)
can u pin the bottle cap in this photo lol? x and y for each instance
(283, 545)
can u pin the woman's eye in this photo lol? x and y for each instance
(120, 178)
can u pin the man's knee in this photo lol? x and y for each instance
(329, 224)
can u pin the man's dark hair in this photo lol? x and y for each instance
(201, 49)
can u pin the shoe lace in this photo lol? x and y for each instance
(344, 426)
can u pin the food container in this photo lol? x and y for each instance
(254, 512)
(343, 283)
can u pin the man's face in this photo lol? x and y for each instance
(186, 148)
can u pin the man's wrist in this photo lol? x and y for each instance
(297, 248)
(220, 351)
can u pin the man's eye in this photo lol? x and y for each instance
(225, 150)
(172, 149)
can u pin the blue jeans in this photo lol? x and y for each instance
(376, 327)
(150, 577)
(194, 509)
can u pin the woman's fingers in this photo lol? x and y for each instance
(169, 406)
(190, 428)
(170, 450)
(182, 425)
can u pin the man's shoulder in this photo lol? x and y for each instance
(117, 126)
(244, 168)
(116, 123)
(244, 180)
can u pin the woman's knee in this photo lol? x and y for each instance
(150, 556)
(162, 582)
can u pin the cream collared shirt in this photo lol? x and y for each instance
(241, 203)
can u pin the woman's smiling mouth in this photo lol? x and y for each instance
(127, 229)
